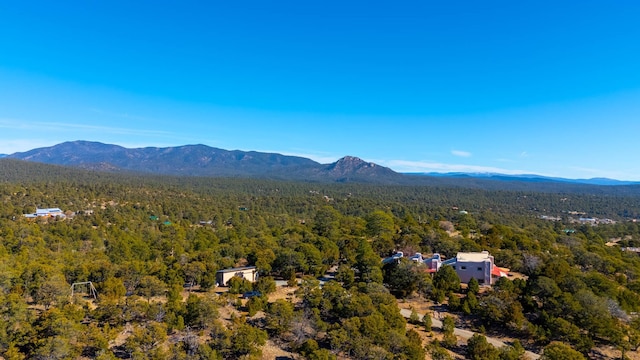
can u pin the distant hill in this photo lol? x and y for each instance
(202, 160)
(3, 155)
(529, 178)
(205, 161)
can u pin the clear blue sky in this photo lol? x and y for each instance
(544, 87)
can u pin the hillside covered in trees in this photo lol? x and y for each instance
(144, 242)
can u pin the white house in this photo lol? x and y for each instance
(247, 272)
(50, 212)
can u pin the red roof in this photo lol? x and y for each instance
(499, 271)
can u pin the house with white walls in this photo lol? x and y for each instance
(249, 273)
(47, 213)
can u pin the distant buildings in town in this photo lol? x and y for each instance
(579, 220)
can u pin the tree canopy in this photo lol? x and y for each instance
(140, 240)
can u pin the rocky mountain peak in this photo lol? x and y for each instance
(351, 167)
(350, 164)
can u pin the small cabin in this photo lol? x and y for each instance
(247, 272)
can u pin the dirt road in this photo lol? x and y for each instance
(466, 334)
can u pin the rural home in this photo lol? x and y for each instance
(477, 265)
(467, 265)
(51, 212)
(247, 272)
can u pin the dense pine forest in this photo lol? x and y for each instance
(151, 247)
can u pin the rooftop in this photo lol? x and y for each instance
(48, 210)
(473, 256)
(237, 269)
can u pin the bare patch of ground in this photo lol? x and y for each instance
(609, 352)
(272, 351)
(429, 336)
(283, 292)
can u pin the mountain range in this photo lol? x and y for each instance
(205, 161)
(202, 160)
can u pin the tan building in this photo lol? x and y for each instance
(248, 272)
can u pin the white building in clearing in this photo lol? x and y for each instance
(50, 212)
(247, 272)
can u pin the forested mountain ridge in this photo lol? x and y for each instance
(202, 160)
(205, 161)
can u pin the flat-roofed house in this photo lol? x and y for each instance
(247, 272)
(477, 265)
(50, 212)
(468, 265)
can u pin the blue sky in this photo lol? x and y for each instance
(550, 88)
